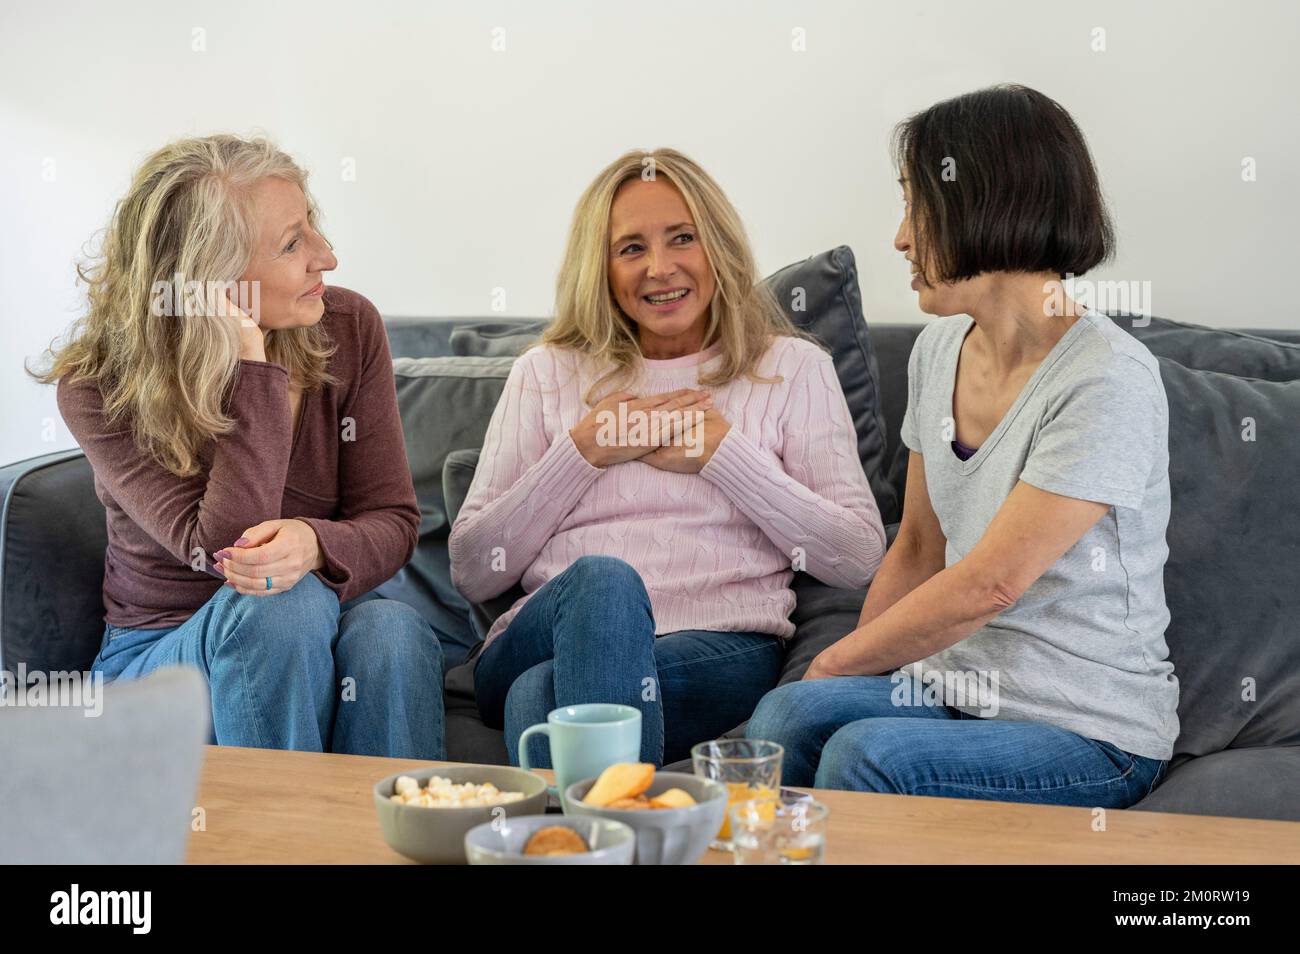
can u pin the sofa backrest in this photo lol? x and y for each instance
(52, 532)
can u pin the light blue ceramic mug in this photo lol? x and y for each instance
(585, 740)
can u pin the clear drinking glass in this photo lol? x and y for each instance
(782, 831)
(750, 768)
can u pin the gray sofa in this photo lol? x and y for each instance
(1234, 533)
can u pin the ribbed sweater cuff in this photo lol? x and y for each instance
(563, 474)
(738, 466)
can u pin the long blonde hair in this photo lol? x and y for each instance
(744, 316)
(187, 214)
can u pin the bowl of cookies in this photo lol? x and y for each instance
(425, 814)
(550, 840)
(674, 815)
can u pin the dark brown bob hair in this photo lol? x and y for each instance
(1001, 180)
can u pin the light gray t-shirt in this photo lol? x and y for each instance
(1084, 648)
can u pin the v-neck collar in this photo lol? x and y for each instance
(297, 426)
(969, 466)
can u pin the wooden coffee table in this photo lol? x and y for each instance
(267, 806)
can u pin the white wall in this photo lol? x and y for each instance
(468, 161)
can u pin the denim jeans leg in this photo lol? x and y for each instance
(983, 759)
(268, 661)
(388, 663)
(594, 623)
(122, 645)
(709, 683)
(531, 697)
(802, 716)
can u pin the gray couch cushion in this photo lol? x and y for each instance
(826, 285)
(1243, 783)
(457, 475)
(1215, 349)
(468, 739)
(496, 339)
(1234, 546)
(821, 296)
(445, 404)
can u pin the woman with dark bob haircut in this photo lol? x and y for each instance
(1012, 644)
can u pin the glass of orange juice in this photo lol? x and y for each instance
(790, 830)
(750, 768)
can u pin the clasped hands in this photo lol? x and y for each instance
(676, 431)
(284, 550)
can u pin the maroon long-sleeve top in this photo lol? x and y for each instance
(344, 472)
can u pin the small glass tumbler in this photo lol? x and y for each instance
(783, 831)
(750, 768)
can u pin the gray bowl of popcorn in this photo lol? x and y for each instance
(425, 814)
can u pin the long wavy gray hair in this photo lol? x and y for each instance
(187, 213)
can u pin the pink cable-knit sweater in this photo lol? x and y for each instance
(717, 549)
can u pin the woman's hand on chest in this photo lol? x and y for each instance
(623, 427)
(691, 445)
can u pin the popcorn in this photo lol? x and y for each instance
(442, 792)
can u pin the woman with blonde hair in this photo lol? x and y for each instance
(655, 469)
(241, 421)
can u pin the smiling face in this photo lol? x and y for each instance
(658, 271)
(290, 257)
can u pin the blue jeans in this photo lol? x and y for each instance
(588, 635)
(846, 732)
(297, 671)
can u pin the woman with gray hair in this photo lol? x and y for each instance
(241, 420)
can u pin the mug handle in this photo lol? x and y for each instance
(541, 728)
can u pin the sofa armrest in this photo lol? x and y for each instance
(52, 542)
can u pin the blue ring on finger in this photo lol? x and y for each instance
(268, 582)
